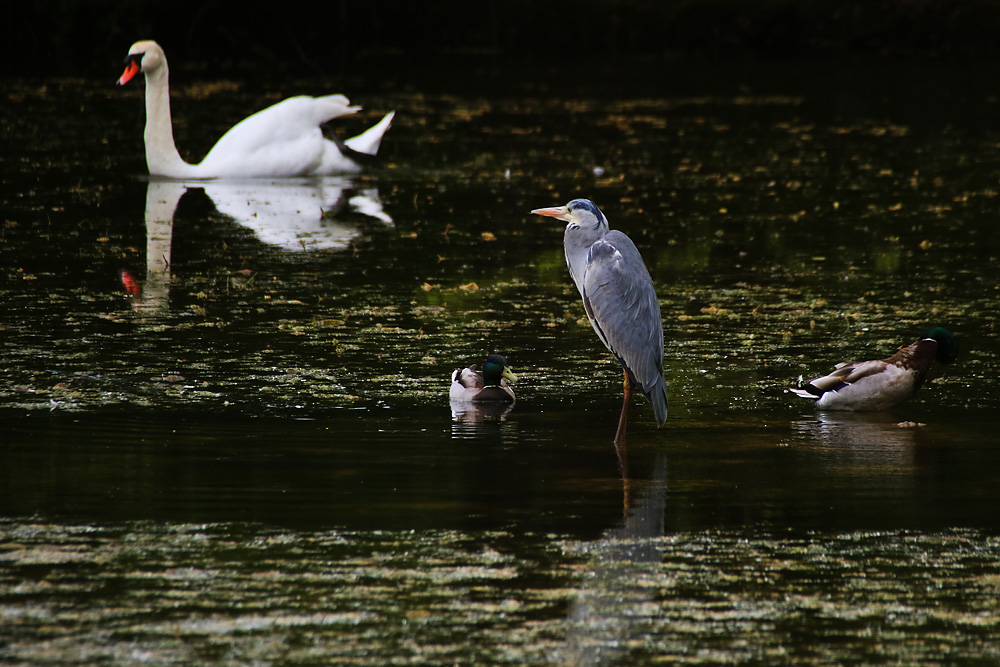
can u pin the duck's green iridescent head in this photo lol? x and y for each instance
(496, 368)
(947, 350)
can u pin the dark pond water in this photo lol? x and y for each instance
(225, 436)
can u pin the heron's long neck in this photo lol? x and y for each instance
(162, 157)
(577, 244)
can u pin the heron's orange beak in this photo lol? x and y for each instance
(131, 69)
(558, 212)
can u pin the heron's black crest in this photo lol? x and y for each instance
(587, 205)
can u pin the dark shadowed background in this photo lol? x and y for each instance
(399, 40)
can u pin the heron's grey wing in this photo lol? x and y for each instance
(621, 303)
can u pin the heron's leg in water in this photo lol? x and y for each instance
(620, 449)
(623, 420)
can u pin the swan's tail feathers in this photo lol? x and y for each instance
(368, 141)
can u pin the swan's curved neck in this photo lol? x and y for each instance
(162, 157)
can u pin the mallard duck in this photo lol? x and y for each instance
(883, 384)
(490, 386)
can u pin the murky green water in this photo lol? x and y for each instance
(224, 428)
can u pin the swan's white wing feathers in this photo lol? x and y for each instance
(285, 138)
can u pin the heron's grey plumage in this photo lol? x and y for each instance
(622, 306)
(618, 296)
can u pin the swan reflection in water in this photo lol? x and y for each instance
(294, 215)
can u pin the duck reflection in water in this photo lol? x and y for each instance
(295, 215)
(876, 440)
(471, 413)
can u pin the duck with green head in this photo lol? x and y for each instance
(886, 383)
(492, 385)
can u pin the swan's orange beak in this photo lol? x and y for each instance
(131, 69)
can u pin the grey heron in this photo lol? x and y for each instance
(619, 298)
(489, 386)
(883, 383)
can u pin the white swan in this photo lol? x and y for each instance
(280, 141)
